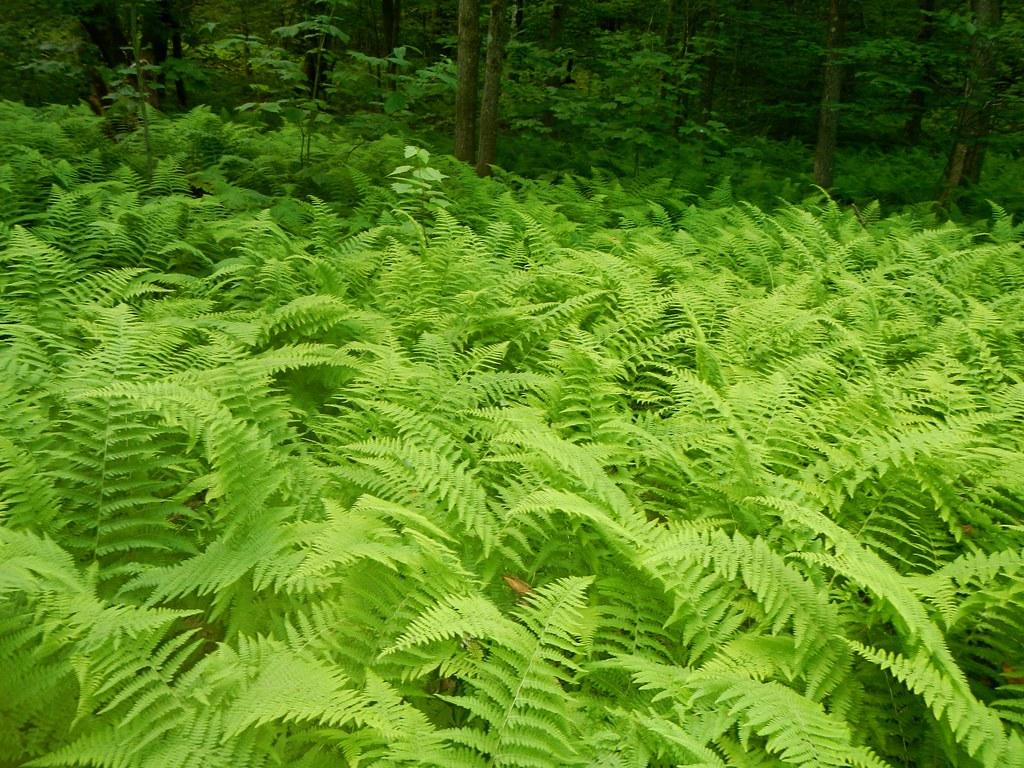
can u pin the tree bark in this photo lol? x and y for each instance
(670, 24)
(913, 128)
(497, 34)
(390, 15)
(432, 26)
(557, 25)
(105, 31)
(140, 85)
(391, 20)
(161, 34)
(177, 52)
(707, 89)
(974, 122)
(707, 84)
(832, 81)
(468, 77)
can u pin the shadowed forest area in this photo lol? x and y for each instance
(906, 102)
(526, 384)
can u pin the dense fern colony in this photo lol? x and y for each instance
(294, 472)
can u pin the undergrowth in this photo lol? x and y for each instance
(295, 472)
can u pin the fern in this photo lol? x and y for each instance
(518, 678)
(582, 473)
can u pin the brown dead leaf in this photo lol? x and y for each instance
(517, 585)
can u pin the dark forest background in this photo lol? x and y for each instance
(909, 101)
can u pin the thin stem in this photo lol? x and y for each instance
(141, 87)
(308, 139)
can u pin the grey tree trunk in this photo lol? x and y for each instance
(497, 40)
(918, 97)
(831, 92)
(391, 20)
(468, 77)
(707, 84)
(974, 122)
(177, 51)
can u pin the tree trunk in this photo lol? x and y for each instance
(520, 14)
(246, 37)
(497, 40)
(707, 85)
(670, 24)
(390, 16)
(432, 30)
(177, 53)
(468, 74)
(104, 30)
(391, 20)
(140, 85)
(376, 42)
(161, 34)
(557, 25)
(974, 122)
(707, 89)
(828, 119)
(912, 130)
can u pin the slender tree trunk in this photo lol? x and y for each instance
(557, 25)
(707, 89)
(677, 36)
(974, 123)
(161, 33)
(670, 24)
(707, 85)
(140, 83)
(554, 42)
(671, 49)
(828, 118)
(989, 15)
(155, 39)
(432, 23)
(377, 42)
(497, 40)
(391, 19)
(177, 52)
(468, 74)
(913, 129)
(243, 7)
(390, 16)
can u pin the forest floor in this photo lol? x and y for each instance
(374, 458)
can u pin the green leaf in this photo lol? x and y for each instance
(395, 102)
